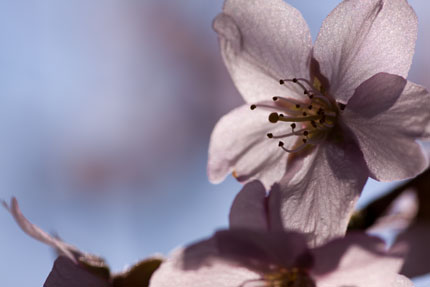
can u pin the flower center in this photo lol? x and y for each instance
(294, 277)
(310, 119)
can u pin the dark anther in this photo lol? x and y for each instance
(305, 92)
(304, 140)
(253, 107)
(281, 82)
(322, 120)
(341, 106)
(314, 124)
(320, 111)
(310, 107)
(270, 135)
(293, 125)
(281, 115)
(311, 96)
(275, 99)
(295, 80)
(297, 106)
(304, 114)
(305, 133)
(273, 117)
(280, 144)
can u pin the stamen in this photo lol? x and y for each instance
(293, 133)
(324, 99)
(297, 119)
(281, 145)
(268, 106)
(298, 83)
(290, 101)
(341, 106)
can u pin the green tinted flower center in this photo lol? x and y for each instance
(310, 119)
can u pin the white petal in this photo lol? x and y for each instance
(249, 208)
(239, 143)
(363, 37)
(386, 120)
(321, 195)
(217, 273)
(263, 41)
(361, 262)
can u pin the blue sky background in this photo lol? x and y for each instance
(106, 109)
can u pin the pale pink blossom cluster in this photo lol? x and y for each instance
(319, 119)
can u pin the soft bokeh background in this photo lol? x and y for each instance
(106, 108)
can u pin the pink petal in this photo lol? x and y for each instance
(66, 273)
(319, 198)
(216, 273)
(249, 208)
(361, 261)
(361, 38)
(387, 117)
(38, 234)
(239, 143)
(262, 42)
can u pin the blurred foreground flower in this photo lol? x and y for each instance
(251, 258)
(74, 268)
(342, 108)
(256, 251)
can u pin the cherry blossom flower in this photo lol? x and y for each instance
(248, 258)
(323, 118)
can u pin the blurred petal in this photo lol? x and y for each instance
(417, 261)
(239, 143)
(262, 42)
(261, 251)
(361, 38)
(387, 115)
(66, 273)
(249, 208)
(399, 216)
(318, 199)
(216, 273)
(38, 234)
(360, 261)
